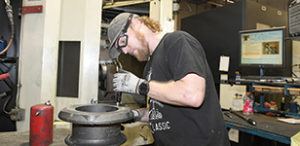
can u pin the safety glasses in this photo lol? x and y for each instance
(122, 41)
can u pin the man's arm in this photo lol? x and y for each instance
(188, 91)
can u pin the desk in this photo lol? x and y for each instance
(266, 126)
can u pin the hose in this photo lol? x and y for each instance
(9, 12)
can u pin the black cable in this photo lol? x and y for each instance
(9, 12)
(5, 104)
(11, 86)
(8, 81)
(3, 95)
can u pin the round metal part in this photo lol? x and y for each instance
(96, 124)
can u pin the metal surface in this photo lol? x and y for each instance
(123, 3)
(96, 124)
(45, 30)
(247, 119)
(266, 126)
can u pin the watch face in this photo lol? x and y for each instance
(144, 88)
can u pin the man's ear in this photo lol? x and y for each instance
(136, 23)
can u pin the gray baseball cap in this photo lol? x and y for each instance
(116, 26)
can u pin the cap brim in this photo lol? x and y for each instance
(113, 51)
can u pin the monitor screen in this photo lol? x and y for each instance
(263, 48)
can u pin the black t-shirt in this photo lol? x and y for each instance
(176, 55)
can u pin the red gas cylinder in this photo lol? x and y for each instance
(41, 124)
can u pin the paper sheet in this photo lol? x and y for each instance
(233, 135)
(289, 120)
(168, 25)
(224, 63)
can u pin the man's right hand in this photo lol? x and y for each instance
(126, 82)
(141, 114)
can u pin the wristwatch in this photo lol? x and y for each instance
(144, 88)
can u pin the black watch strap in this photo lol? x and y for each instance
(144, 88)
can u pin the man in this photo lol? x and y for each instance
(184, 107)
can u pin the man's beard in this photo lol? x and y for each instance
(143, 53)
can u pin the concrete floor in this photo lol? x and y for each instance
(137, 133)
(22, 138)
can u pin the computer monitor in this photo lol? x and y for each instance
(264, 48)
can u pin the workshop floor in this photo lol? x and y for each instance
(137, 133)
(22, 138)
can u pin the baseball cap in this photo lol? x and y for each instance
(116, 26)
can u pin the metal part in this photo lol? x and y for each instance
(124, 3)
(106, 71)
(250, 121)
(96, 124)
(94, 101)
(118, 97)
(17, 114)
(48, 103)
